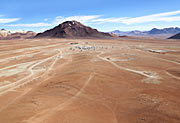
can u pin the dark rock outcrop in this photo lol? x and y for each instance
(177, 36)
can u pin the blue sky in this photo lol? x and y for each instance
(125, 15)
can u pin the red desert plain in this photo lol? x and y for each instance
(125, 80)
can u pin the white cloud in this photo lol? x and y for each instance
(46, 19)
(58, 20)
(173, 16)
(112, 20)
(109, 20)
(164, 17)
(82, 19)
(30, 25)
(8, 20)
(166, 14)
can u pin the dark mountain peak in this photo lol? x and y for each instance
(72, 29)
(154, 29)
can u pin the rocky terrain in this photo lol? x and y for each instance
(72, 29)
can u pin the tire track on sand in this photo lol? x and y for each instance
(28, 90)
(5, 89)
(143, 73)
(40, 117)
(4, 107)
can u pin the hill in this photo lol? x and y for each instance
(72, 29)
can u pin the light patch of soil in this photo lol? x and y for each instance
(151, 81)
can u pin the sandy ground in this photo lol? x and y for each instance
(89, 81)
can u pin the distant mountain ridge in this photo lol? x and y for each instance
(5, 34)
(73, 29)
(166, 32)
